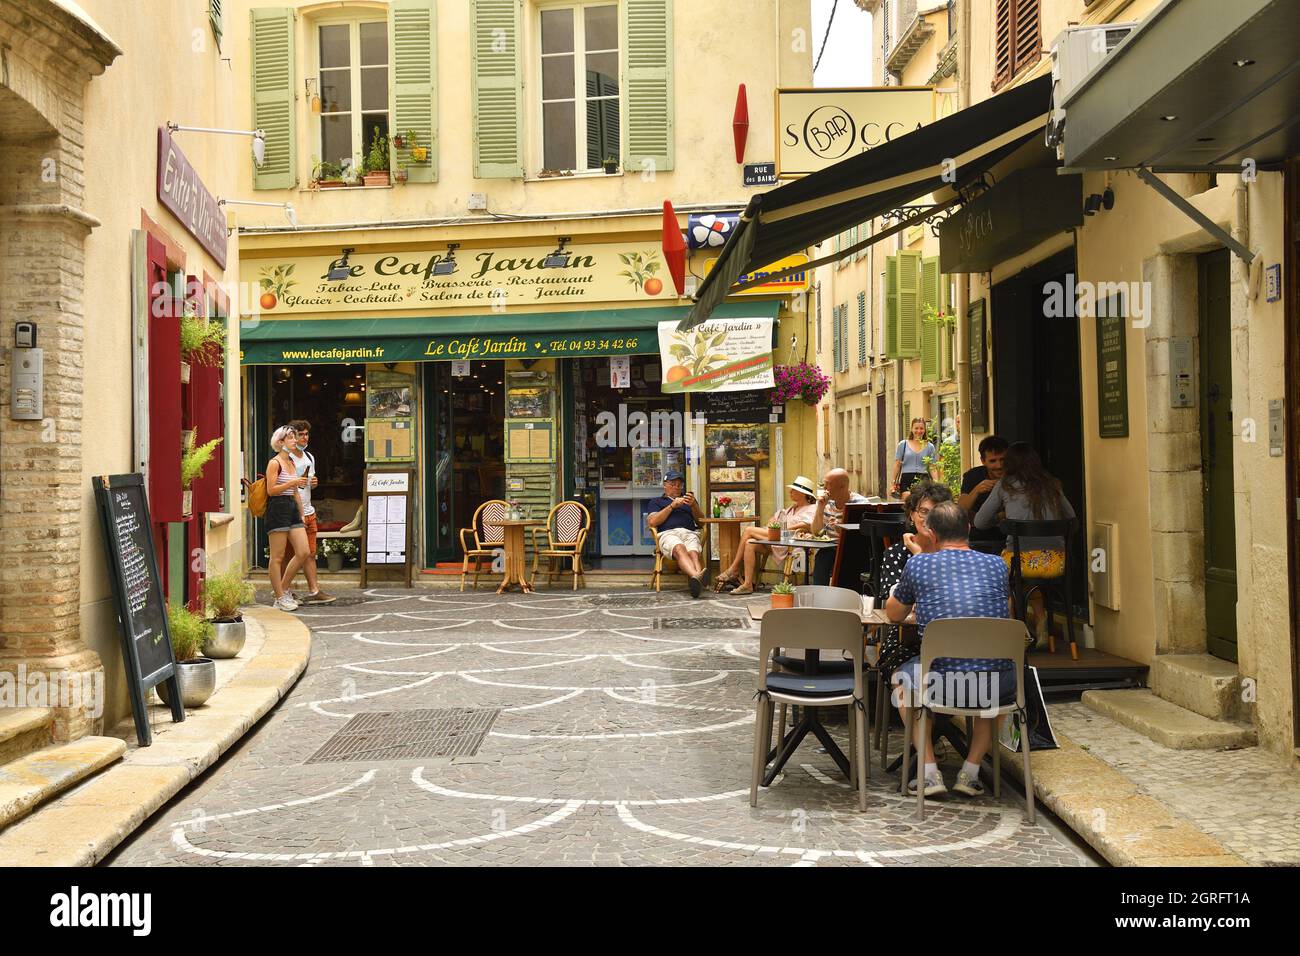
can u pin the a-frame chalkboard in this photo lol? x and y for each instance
(141, 609)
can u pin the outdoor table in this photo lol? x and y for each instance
(515, 572)
(728, 537)
(809, 544)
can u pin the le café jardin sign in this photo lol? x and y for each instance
(489, 278)
(182, 191)
(816, 128)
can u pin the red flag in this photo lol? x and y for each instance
(674, 248)
(740, 123)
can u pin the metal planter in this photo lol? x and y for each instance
(198, 679)
(227, 639)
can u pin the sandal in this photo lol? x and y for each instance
(743, 590)
(723, 580)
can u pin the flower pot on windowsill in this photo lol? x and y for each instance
(610, 167)
(380, 178)
(185, 373)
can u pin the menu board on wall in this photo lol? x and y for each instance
(752, 407)
(979, 382)
(141, 608)
(1112, 369)
(390, 418)
(386, 535)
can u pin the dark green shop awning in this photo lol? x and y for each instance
(508, 334)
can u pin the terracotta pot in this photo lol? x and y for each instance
(773, 534)
(331, 184)
(376, 179)
(782, 600)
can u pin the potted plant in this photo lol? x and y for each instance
(401, 174)
(800, 381)
(611, 165)
(334, 552)
(223, 595)
(419, 154)
(783, 594)
(202, 343)
(376, 163)
(774, 530)
(327, 175)
(196, 674)
(193, 458)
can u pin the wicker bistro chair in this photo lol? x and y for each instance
(821, 628)
(968, 637)
(485, 535)
(660, 560)
(563, 539)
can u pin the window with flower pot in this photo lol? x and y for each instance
(580, 93)
(353, 78)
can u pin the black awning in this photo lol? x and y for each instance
(1200, 84)
(802, 213)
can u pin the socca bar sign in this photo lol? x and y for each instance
(494, 277)
(182, 191)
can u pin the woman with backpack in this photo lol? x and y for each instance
(284, 521)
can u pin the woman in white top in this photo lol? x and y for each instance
(910, 459)
(284, 521)
(798, 517)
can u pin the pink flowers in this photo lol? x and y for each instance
(802, 381)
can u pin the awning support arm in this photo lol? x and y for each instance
(1194, 214)
(920, 217)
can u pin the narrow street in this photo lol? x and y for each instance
(620, 732)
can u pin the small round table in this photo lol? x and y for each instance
(515, 572)
(728, 537)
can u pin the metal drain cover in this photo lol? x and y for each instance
(339, 602)
(699, 623)
(616, 601)
(408, 735)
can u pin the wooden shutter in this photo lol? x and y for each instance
(648, 40)
(891, 307)
(214, 18)
(909, 304)
(930, 342)
(164, 389)
(1003, 15)
(950, 327)
(862, 328)
(1028, 46)
(836, 344)
(274, 102)
(497, 95)
(413, 28)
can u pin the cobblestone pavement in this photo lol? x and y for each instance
(623, 737)
(1243, 798)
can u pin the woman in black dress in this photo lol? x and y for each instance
(925, 495)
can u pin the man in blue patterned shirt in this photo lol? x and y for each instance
(947, 579)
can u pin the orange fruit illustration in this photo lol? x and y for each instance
(677, 373)
(653, 286)
(268, 300)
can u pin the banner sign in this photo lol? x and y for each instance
(182, 191)
(795, 282)
(816, 128)
(711, 230)
(445, 348)
(495, 278)
(724, 355)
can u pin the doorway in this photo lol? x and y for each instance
(464, 444)
(1217, 436)
(1037, 389)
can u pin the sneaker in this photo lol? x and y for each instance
(285, 602)
(965, 785)
(320, 597)
(696, 587)
(933, 787)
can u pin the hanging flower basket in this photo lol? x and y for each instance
(805, 382)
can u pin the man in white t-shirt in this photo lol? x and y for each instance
(305, 464)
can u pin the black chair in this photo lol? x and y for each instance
(878, 533)
(1057, 588)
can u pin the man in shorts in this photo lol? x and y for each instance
(305, 464)
(676, 517)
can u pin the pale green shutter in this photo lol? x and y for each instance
(930, 343)
(950, 327)
(862, 328)
(214, 18)
(648, 39)
(413, 27)
(497, 95)
(273, 97)
(891, 307)
(837, 345)
(909, 304)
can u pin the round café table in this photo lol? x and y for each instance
(728, 537)
(515, 572)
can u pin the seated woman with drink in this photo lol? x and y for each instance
(797, 517)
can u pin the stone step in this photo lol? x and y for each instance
(1166, 723)
(33, 778)
(22, 730)
(1200, 683)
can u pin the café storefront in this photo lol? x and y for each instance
(531, 372)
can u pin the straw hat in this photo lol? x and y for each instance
(804, 484)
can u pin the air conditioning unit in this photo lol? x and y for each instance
(1076, 52)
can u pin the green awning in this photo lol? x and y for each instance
(508, 334)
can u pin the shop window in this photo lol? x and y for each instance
(580, 101)
(353, 76)
(1016, 42)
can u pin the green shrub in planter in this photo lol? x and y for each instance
(224, 594)
(189, 631)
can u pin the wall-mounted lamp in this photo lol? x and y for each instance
(286, 206)
(313, 97)
(447, 264)
(259, 137)
(339, 269)
(1101, 200)
(559, 259)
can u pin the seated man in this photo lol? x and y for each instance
(831, 501)
(977, 483)
(947, 579)
(675, 516)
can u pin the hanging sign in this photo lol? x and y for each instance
(710, 230)
(816, 128)
(753, 281)
(724, 355)
(186, 198)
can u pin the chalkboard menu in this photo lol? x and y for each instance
(753, 407)
(979, 379)
(141, 609)
(1112, 369)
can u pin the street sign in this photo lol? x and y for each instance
(760, 174)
